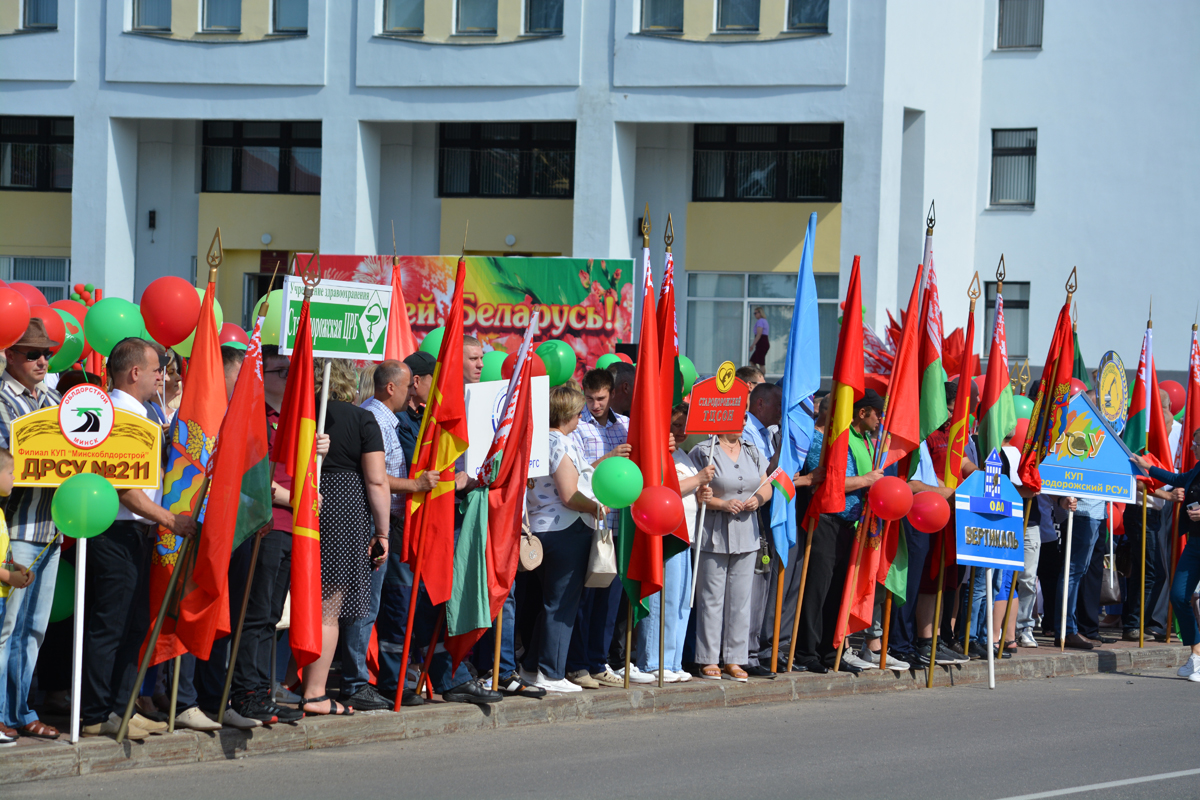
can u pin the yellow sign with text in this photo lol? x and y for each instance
(86, 434)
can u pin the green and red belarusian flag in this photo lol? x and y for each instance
(1146, 429)
(1049, 417)
(1079, 370)
(1185, 459)
(238, 505)
(997, 410)
(959, 432)
(933, 377)
(783, 482)
(669, 376)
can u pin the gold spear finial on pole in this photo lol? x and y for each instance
(310, 273)
(669, 232)
(216, 255)
(395, 258)
(1150, 314)
(973, 290)
(1000, 273)
(1072, 283)
(1024, 376)
(466, 227)
(930, 220)
(646, 227)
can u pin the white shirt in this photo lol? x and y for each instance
(684, 468)
(547, 512)
(131, 404)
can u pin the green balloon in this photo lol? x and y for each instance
(90, 287)
(1024, 406)
(62, 605)
(184, 348)
(270, 331)
(688, 370)
(109, 321)
(85, 505)
(491, 365)
(617, 482)
(77, 297)
(432, 343)
(605, 360)
(559, 358)
(72, 346)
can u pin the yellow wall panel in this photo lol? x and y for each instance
(542, 227)
(35, 224)
(761, 237)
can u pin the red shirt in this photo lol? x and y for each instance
(282, 517)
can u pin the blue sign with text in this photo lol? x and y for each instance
(1088, 459)
(988, 519)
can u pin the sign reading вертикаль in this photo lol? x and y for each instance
(349, 320)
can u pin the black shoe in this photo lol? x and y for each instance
(947, 656)
(977, 650)
(471, 692)
(1001, 653)
(815, 667)
(781, 668)
(843, 666)
(757, 671)
(515, 686)
(411, 698)
(366, 699)
(1131, 635)
(282, 713)
(250, 706)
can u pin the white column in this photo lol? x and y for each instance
(103, 203)
(350, 187)
(605, 206)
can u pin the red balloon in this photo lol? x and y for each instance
(1077, 387)
(890, 498)
(170, 309)
(625, 358)
(1176, 391)
(77, 310)
(1018, 437)
(510, 363)
(658, 511)
(232, 334)
(930, 512)
(55, 328)
(14, 316)
(30, 293)
(80, 288)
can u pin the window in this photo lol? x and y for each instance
(544, 17)
(777, 163)
(51, 276)
(662, 16)
(1014, 167)
(737, 16)
(261, 157)
(477, 17)
(36, 153)
(808, 16)
(291, 16)
(1020, 24)
(507, 159)
(222, 15)
(152, 15)
(41, 14)
(720, 304)
(1016, 318)
(404, 17)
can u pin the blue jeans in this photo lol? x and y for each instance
(1187, 576)
(26, 615)
(903, 635)
(354, 637)
(1001, 586)
(392, 619)
(1084, 534)
(594, 624)
(486, 648)
(677, 586)
(564, 567)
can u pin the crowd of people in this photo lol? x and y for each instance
(558, 635)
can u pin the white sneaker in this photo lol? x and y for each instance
(682, 676)
(1190, 667)
(196, 720)
(1194, 677)
(636, 675)
(285, 695)
(872, 658)
(1026, 640)
(562, 685)
(849, 657)
(235, 720)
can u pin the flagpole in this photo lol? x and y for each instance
(496, 650)
(237, 634)
(844, 620)
(800, 595)
(712, 451)
(970, 603)
(1142, 588)
(1174, 563)
(937, 610)
(778, 613)
(887, 627)
(412, 610)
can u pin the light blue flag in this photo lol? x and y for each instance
(801, 380)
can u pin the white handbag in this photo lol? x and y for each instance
(602, 561)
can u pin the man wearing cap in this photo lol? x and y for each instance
(421, 365)
(30, 528)
(833, 541)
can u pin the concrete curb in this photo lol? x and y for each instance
(31, 760)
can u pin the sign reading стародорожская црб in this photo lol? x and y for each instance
(349, 320)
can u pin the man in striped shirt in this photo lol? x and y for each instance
(30, 529)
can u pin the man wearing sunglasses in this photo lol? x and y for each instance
(27, 510)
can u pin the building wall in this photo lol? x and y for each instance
(761, 237)
(541, 227)
(35, 224)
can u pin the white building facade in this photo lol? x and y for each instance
(1059, 134)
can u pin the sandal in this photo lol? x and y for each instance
(333, 711)
(736, 673)
(710, 672)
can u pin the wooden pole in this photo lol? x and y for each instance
(496, 651)
(970, 604)
(1174, 563)
(628, 640)
(800, 596)
(412, 610)
(237, 634)
(778, 613)
(1142, 588)
(175, 666)
(1062, 626)
(887, 627)
(937, 611)
(1012, 590)
(844, 619)
(423, 676)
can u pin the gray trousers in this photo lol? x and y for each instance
(1027, 581)
(723, 589)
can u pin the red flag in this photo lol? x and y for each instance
(429, 534)
(193, 437)
(401, 342)
(1158, 443)
(902, 421)
(668, 337)
(959, 432)
(1049, 415)
(294, 449)
(1185, 460)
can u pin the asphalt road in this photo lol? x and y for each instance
(1029, 739)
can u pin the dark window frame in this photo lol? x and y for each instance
(529, 30)
(782, 147)
(459, 30)
(647, 27)
(395, 30)
(1000, 45)
(1010, 304)
(138, 25)
(275, 27)
(44, 137)
(746, 29)
(285, 142)
(805, 27)
(525, 143)
(37, 26)
(1002, 152)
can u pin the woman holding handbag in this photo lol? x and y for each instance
(728, 544)
(562, 515)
